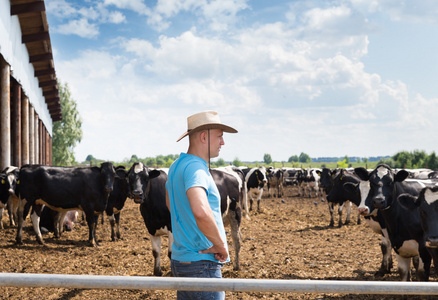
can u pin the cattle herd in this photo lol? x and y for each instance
(399, 205)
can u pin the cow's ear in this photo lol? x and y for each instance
(362, 173)
(121, 173)
(350, 187)
(408, 201)
(318, 172)
(401, 175)
(154, 173)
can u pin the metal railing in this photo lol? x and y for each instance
(225, 284)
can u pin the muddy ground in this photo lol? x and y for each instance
(288, 239)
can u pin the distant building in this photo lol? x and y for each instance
(29, 96)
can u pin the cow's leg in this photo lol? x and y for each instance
(170, 243)
(340, 209)
(1, 217)
(348, 205)
(35, 217)
(11, 211)
(386, 265)
(112, 221)
(59, 222)
(235, 218)
(156, 252)
(331, 210)
(250, 204)
(92, 223)
(404, 268)
(20, 214)
(117, 218)
(422, 265)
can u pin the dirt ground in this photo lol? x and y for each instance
(288, 239)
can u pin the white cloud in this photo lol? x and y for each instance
(79, 27)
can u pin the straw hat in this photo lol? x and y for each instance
(205, 120)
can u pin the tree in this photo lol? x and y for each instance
(236, 162)
(304, 158)
(267, 158)
(67, 132)
(220, 162)
(293, 158)
(90, 158)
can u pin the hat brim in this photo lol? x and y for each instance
(225, 128)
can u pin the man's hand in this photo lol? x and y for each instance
(220, 253)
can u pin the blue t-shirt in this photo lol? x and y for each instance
(186, 172)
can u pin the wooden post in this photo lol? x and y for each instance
(37, 139)
(25, 131)
(31, 134)
(5, 114)
(16, 122)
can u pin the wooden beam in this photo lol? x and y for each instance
(45, 72)
(40, 57)
(48, 83)
(19, 9)
(35, 37)
(52, 100)
(51, 93)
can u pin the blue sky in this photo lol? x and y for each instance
(328, 78)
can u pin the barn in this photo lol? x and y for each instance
(29, 103)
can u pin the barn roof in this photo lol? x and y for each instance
(35, 35)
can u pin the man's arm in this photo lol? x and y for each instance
(206, 223)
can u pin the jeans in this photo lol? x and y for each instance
(204, 269)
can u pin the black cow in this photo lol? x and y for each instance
(275, 180)
(426, 204)
(341, 196)
(255, 180)
(301, 178)
(148, 189)
(404, 228)
(64, 188)
(8, 199)
(116, 201)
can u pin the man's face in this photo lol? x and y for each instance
(216, 142)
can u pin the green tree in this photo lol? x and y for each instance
(432, 161)
(236, 162)
(67, 132)
(293, 158)
(304, 158)
(220, 163)
(90, 158)
(267, 158)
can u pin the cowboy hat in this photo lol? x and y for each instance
(205, 120)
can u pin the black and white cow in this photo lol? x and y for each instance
(8, 199)
(255, 180)
(116, 201)
(338, 195)
(240, 177)
(404, 228)
(301, 181)
(375, 221)
(426, 204)
(148, 189)
(62, 189)
(311, 182)
(275, 180)
(229, 189)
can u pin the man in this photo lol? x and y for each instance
(200, 245)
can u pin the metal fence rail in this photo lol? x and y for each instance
(206, 284)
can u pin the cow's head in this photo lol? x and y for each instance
(260, 174)
(108, 172)
(139, 177)
(8, 183)
(382, 185)
(427, 204)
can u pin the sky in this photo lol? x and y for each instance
(327, 78)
